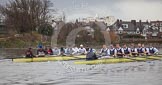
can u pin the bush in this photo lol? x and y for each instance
(45, 29)
(133, 36)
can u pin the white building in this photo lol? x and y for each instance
(109, 20)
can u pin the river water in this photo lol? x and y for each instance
(66, 73)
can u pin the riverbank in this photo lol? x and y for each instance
(25, 40)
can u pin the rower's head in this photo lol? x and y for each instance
(111, 46)
(55, 48)
(139, 44)
(142, 45)
(132, 45)
(124, 46)
(117, 46)
(104, 46)
(81, 46)
(29, 49)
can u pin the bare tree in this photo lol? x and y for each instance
(26, 15)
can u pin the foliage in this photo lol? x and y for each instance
(25, 15)
(133, 36)
(46, 29)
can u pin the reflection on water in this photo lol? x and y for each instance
(54, 73)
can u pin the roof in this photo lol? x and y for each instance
(131, 26)
(120, 29)
(155, 21)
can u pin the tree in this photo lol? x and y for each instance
(46, 29)
(26, 15)
(114, 37)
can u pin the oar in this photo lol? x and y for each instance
(135, 59)
(147, 58)
(77, 58)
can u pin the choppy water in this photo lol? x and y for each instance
(66, 73)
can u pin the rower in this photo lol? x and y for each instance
(82, 50)
(141, 50)
(41, 52)
(112, 51)
(75, 51)
(134, 52)
(119, 51)
(29, 53)
(153, 50)
(105, 52)
(62, 51)
(49, 51)
(68, 51)
(127, 51)
(56, 51)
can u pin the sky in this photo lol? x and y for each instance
(121, 9)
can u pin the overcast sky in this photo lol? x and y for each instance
(121, 9)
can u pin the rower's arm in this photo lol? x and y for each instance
(115, 52)
(129, 50)
(122, 51)
(100, 51)
(85, 51)
(135, 50)
(108, 52)
(156, 50)
(59, 52)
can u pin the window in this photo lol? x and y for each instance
(153, 24)
(120, 32)
(137, 32)
(0, 20)
(160, 29)
(161, 24)
(157, 24)
(154, 34)
(125, 25)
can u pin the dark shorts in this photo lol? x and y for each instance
(120, 55)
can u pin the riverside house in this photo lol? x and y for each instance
(152, 29)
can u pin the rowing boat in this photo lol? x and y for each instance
(66, 58)
(49, 58)
(118, 60)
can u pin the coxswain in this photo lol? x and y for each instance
(91, 55)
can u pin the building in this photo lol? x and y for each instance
(109, 20)
(146, 29)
